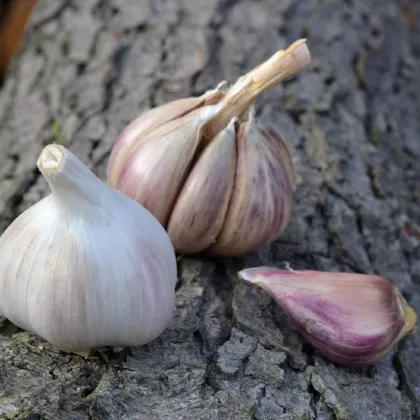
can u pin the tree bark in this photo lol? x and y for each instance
(88, 67)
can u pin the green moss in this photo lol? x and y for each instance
(167, 383)
(289, 99)
(65, 47)
(375, 134)
(375, 183)
(57, 133)
(360, 68)
(405, 413)
(376, 190)
(21, 339)
(22, 415)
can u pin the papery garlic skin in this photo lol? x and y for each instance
(86, 267)
(352, 319)
(157, 168)
(150, 120)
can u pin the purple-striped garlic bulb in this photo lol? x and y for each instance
(218, 181)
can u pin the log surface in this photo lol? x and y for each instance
(88, 67)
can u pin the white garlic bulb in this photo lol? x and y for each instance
(87, 266)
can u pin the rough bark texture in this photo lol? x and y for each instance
(87, 67)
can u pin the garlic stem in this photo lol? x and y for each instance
(282, 65)
(71, 182)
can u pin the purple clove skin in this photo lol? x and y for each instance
(352, 319)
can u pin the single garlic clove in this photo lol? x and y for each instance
(262, 197)
(352, 319)
(201, 207)
(86, 266)
(149, 121)
(157, 168)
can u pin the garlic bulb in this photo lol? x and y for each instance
(218, 181)
(86, 267)
(352, 319)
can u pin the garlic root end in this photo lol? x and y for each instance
(410, 316)
(252, 275)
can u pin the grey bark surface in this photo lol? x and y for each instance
(88, 67)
